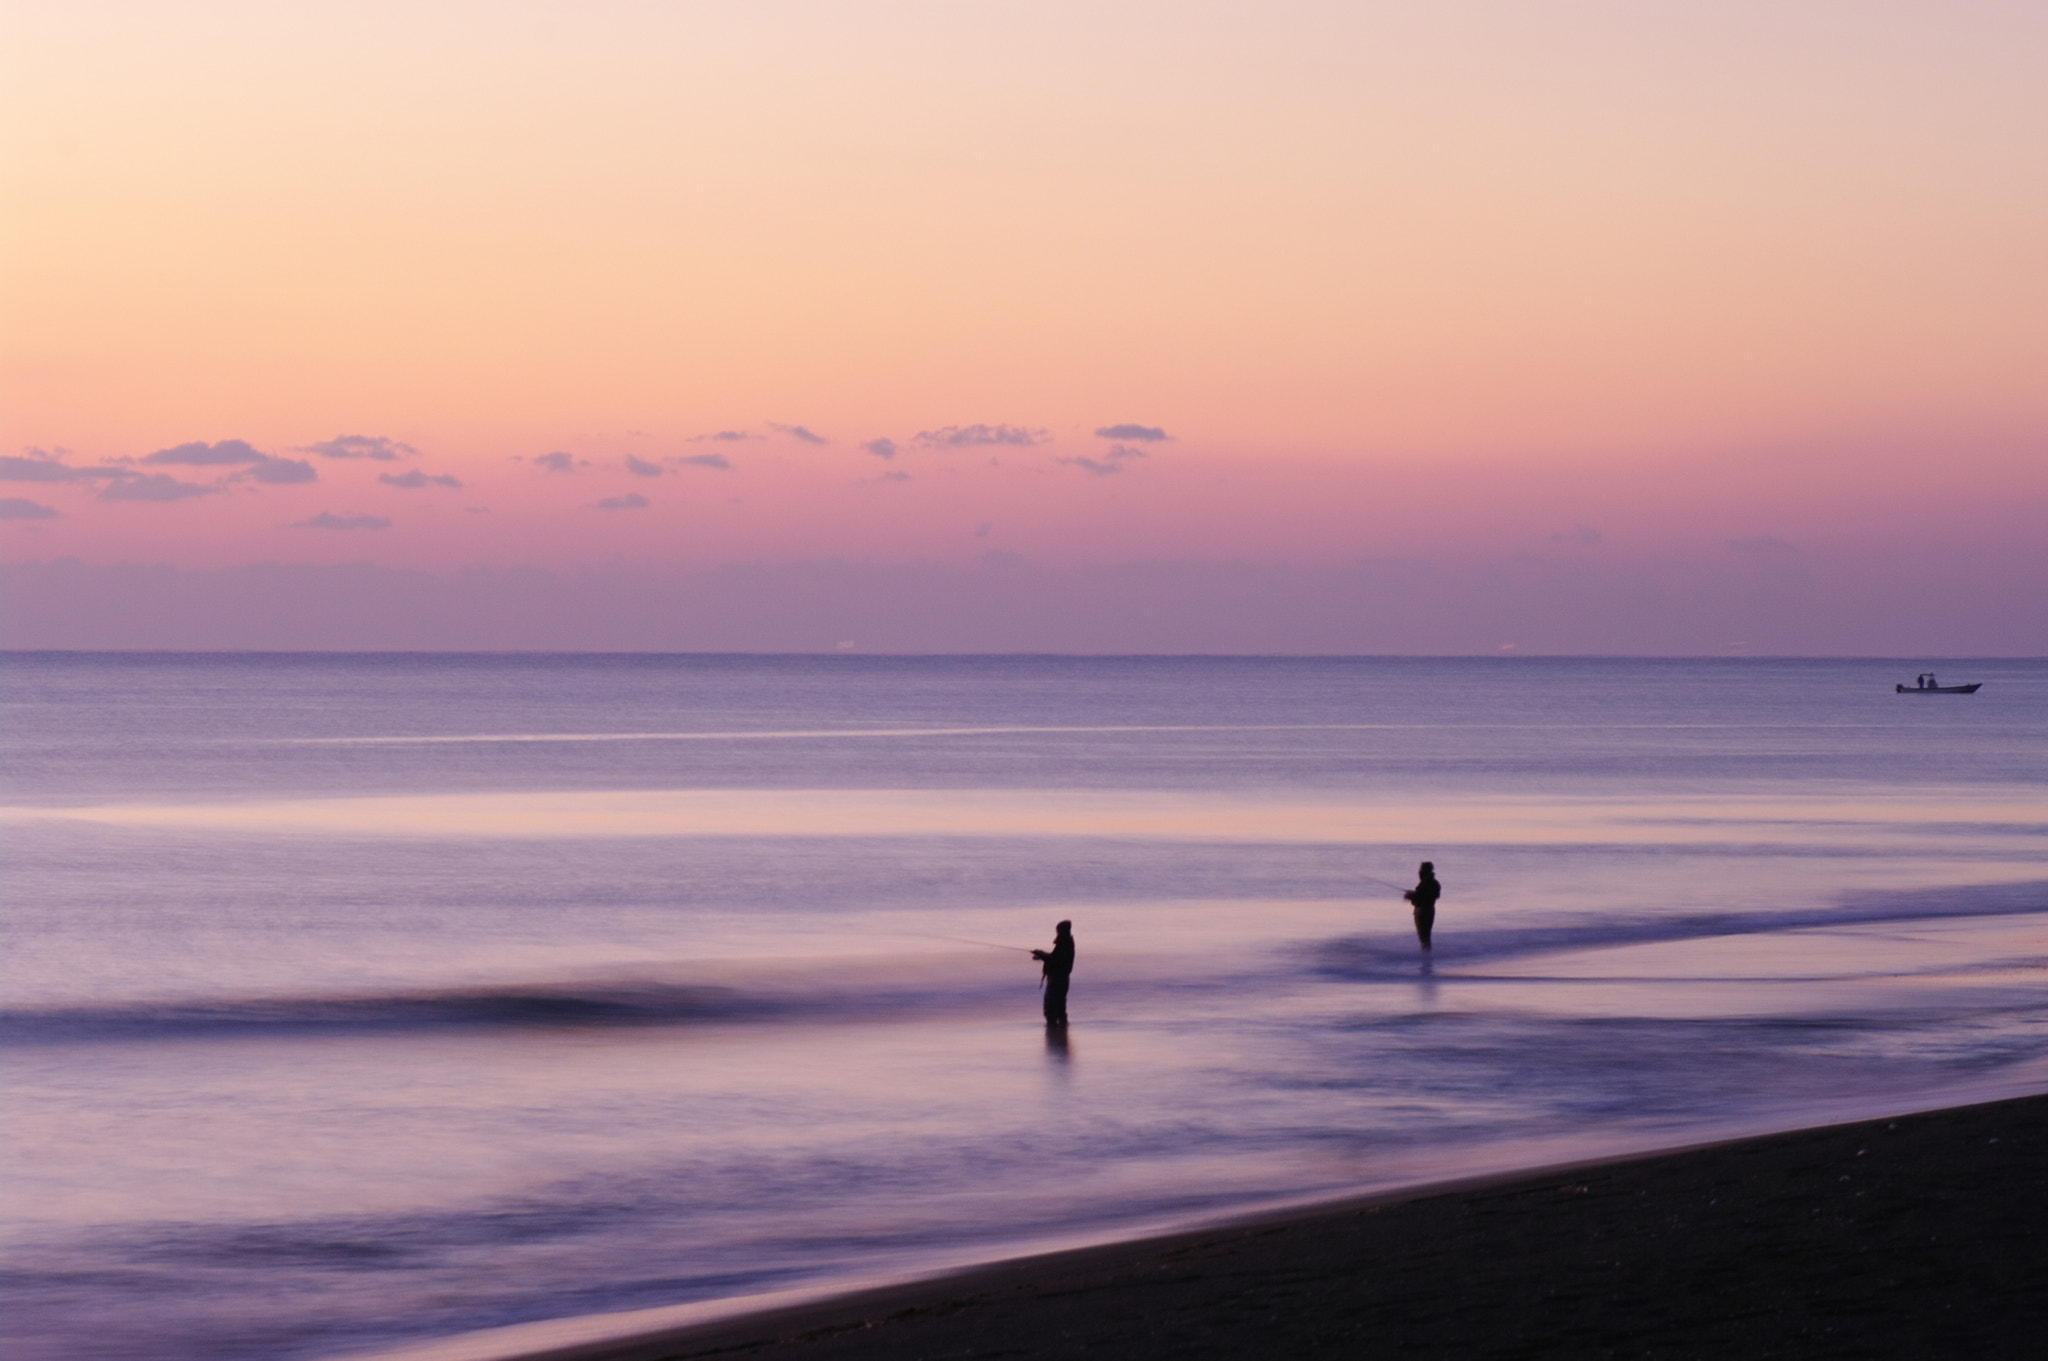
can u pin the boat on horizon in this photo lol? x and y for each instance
(1926, 684)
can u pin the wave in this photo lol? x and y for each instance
(989, 730)
(473, 1008)
(855, 993)
(804, 734)
(852, 988)
(1394, 957)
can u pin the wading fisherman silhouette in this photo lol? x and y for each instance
(1424, 895)
(1059, 965)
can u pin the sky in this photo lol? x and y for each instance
(1458, 326)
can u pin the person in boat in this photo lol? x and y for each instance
(1058, 968)
(1424, 895)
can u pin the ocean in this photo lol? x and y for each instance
(354, 1001)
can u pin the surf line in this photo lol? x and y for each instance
(813, 733)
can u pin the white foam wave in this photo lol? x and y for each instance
(979, 730)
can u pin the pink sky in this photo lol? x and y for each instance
(1642, 293)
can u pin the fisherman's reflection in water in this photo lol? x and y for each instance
(1058, 967)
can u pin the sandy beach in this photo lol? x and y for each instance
(1920, 1236)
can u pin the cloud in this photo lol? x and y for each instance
(281, 471)
(360, 446)
(128, 485)
(132, 486)
(19, 508)
(640, 467)
(154, 487)
(798, 432)
(200, 454)
(727, 435)
(893, 477)
(1762, 545)
(560, 461)
(967, 436)
(326, 520)
(256, 465)
(413, 479)
(1111, 462)
(42, 466)
(719, 461)
(881, 448)
(632, 500)
(1137, 432)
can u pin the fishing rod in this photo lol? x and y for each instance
(1374, 879)
(986, 944)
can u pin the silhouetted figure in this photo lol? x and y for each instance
(1059, 966)
(1424, 895)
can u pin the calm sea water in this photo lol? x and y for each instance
(356, 1000)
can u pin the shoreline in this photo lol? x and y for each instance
(1900, 1235)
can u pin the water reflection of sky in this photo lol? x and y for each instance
(1955, 818)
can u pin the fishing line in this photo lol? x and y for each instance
(962, 940)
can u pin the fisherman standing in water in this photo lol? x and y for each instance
(1059, 966)
(1424, 895)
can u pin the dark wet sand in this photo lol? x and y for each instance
(1924, 1237)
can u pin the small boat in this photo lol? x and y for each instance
(1926, 684)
